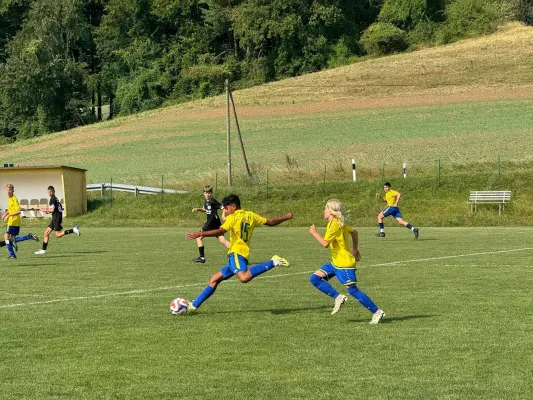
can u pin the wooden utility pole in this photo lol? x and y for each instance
(246, 167)
(228, 132)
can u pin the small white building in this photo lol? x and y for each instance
(31, 188)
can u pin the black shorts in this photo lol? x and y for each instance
(55, 226)
(210, 226)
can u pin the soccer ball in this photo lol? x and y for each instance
(179, 306)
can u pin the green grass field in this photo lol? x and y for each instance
(90, 319)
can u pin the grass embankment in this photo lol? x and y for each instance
(423, 202)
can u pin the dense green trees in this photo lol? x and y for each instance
(60, 61)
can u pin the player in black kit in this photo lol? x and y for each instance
(56, 209)
(211, 207)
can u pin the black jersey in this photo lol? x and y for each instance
(57, 214)
(211, 208)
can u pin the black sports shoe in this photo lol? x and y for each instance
(33, 237)
(200, 260)
(380, 234)
(415, 231)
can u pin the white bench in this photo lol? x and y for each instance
(499, 197)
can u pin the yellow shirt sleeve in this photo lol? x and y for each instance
(331, 230)
(259, 220)
(228, 223)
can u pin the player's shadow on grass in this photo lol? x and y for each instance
(275, 311)
(390, 320)
(89, 252)
(37, 265)
(403, 240)
(292, 310)
(74, 253)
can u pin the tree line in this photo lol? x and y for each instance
(61, 61)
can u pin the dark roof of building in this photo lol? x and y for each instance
(18, 166)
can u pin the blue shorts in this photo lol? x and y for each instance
(345, 276)
(13, 230)
(394, 211)
(236, 263)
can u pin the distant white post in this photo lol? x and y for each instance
(405, 169)
(354, 172)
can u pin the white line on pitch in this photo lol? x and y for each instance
(160, 289)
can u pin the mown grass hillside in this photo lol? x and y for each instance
(466, 102)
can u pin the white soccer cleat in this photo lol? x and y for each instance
(280, 261)
(339, 301)
(190, 307)
(40, 251)
(376, 317)
(76, 230)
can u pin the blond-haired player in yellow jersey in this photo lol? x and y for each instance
(343, 261)
(392, 198)
(12, 217)
(240, 223)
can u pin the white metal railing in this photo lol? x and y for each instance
(121, 187)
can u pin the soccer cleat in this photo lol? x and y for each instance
(200, 260)
(415, 231)
(190, 307)
(12, 258)
(339, 301)
(280, 261)
(380, 234)
(33, 237)
(40, 251)
(376, 317)
(76, 230)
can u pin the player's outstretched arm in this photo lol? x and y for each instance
(279, 220)
(323, 242)
(355, 245)
(214, 232)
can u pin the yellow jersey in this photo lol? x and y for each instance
(12, 207)
(339, 243)
(241, 226)
(390, 197)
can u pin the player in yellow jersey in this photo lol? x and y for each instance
(12, 217)
(392, 198)
(343, 261)
(240, 224)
